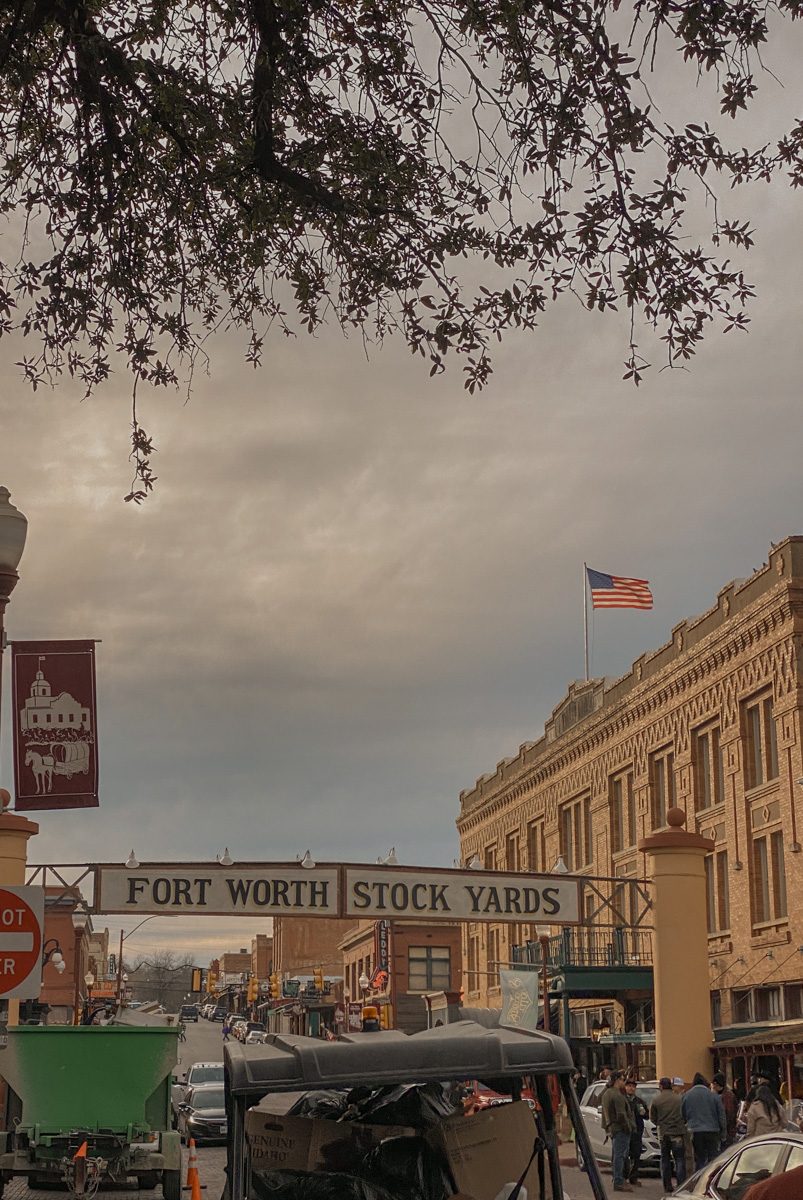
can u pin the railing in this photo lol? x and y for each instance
(579, 947)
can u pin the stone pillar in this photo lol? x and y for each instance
(680, 949)
(15, 831)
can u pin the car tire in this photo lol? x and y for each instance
(171, 1185)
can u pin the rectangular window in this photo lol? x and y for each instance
(512, 853)
(762, 745)
(723, 891)
(710, 893)
(742, 1005)
(428, 969)
(778, 874)
(536, 856)
(662, 781)
(793, 1002)
(767, 1004)
(716, 1010)
(575, 833)
(623, 812)
(769, 879)
(709, 781)
(489, 858)
(761, 881)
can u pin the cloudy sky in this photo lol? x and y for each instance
(356, 588)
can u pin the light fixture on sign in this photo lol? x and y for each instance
(226, 859)
(560, 867)
(132, 862)
(475, 864)
(392, 860)
(308, 861)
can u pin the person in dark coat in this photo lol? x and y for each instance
(704, 1115)
(728, 1099)
(637, 1137)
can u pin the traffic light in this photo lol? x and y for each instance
(275, 986)
(253, 989)
(196, 979)
(317, 979)
(211, 981)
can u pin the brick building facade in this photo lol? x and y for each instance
(710, 722)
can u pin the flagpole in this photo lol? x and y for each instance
(585, 612)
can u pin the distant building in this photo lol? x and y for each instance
(423, 957)
(232, 963)
(262, 955)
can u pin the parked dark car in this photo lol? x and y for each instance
(219, 1014)
(202, 1115)
(188, 1012)
(199, 1073)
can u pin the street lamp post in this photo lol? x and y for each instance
(79, 920)
(89, 980)
(542, 933)
(13, 531)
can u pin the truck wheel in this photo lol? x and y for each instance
(171, 1185)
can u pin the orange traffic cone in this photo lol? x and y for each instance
(192, 1166)
(81, 1152)
(196, 1187)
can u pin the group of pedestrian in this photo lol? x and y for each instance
(706, 1118)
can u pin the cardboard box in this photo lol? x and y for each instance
(489, 1149)
(307, 1144)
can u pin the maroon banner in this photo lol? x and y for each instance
(55, 725)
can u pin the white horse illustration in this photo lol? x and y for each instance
(42, 767)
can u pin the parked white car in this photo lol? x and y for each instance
(591, 1108)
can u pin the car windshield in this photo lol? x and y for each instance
(255, 1025)
(211, 1099)
(206, 1074)
(647, 1094)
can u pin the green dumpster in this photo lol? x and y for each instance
(108, 1085)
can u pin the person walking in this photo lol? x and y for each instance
(666, 1116)
(226, 1030)
(704, 1114)
(618, 1122)
(637, 1137)
(728, 1099)
(765, 1114)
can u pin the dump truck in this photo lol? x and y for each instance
(89, 1105)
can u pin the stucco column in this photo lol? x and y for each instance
(680, 949)
(14, 834)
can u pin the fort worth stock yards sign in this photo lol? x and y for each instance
(339, 890)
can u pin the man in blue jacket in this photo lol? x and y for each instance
(704, 1114)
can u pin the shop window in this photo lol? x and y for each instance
(793, 1002)
(623, 812)
(742, 1005)
(575, 833)
(489, 857)
(536, 851)
(767, 1004)
(709, 776)
(662, 786)
(428, 969)
(762, 746)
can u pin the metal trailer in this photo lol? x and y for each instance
(455, 1053)
(108, 1086)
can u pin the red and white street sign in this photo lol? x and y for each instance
(22, 915)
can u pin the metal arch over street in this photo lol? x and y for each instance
(355, 890)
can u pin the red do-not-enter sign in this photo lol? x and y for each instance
(21, 919)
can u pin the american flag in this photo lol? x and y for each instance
(615, 591)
